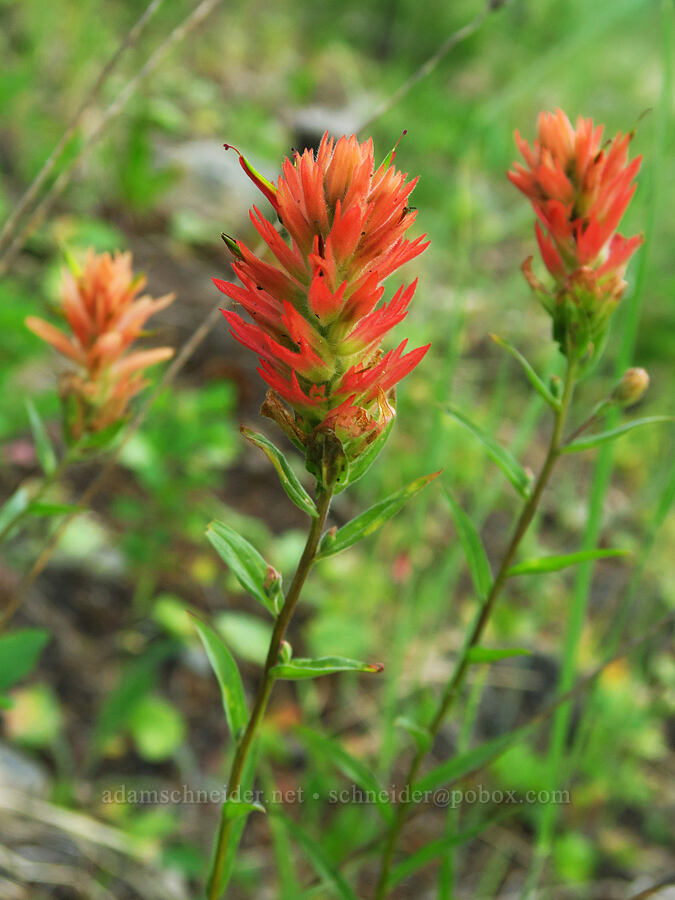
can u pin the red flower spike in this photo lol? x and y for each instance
(318, 320)
(104, 317)
(579, 189)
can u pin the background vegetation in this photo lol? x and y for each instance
(123, 696)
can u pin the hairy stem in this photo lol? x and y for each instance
(214, 890)
(457, 679)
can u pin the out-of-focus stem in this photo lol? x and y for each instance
(457, 679)
(214, 890)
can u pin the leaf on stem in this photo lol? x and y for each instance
(595, 440)
(472, 545)
(490, 654)
(439, 847)
(19, 653)
(288, 478)
(464, 763)
(370, 520)
(554, 563)
(253, 573)
(330, 750)
(53, 509)
(235, 809)
(532, 376)
(229, 679)
(43, 446)
(515, 473)
(319, 859)
(299, 669)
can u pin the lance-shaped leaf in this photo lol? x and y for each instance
(472, 545)
(19, 653)
(594, 440)
(493, 654)
(229, 679)
(298, 669)
(287, 476)
(319, 859)
(554, 563)
(53, 509)
(370, 520)
(253, 573)
(235, 809)
(440, 847)
(330, 750)
(43, 446)
(515, 473)
(359, 466)
(532, 376)
(463, 764)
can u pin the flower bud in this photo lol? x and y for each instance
(285, 653)
(631, 388)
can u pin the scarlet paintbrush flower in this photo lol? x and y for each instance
(104, 317)
(318, 321)
(579, 189)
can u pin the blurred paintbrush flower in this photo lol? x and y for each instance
(317, 319)
(104, 317)
(579, 189)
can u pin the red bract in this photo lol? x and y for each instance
(579, 188)
(104, 318)
(317, 317)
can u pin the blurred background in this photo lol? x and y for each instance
(123, 697)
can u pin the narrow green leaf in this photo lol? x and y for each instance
(235, 809)
(595, 440)
(319, 859)
(359, 466)
(229, 679)
(52, 509)
(439, 847)
(472, 545)
(370, 520)
(532, 376)
(13, 507)
(554, 563)
(101, 440)
(329, 749)
(19, 653)
(421, 735)
(287, 476)
(490, 654)
(298, 669)
(515, 473)
(252, 572)
(43, 446)
(463, 764)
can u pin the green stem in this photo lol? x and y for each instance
(214, 890)
(456, 680)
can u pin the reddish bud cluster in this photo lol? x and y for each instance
(579, 189)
